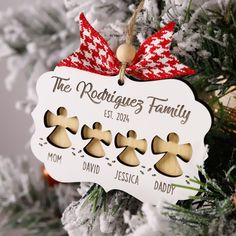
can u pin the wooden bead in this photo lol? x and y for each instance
(125, 53)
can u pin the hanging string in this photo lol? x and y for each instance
(131, 24)
(129, 42)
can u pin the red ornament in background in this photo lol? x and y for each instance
(234, 196)
(48, 179)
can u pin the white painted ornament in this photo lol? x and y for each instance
(141, 138)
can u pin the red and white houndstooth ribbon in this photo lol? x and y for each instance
(153, 60)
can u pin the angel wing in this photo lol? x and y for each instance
(94, 54)
(153, 60)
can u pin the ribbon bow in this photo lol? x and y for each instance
(153, 61)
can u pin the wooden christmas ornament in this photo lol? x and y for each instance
(59, 136)
(115, 135)
(168, 164)
(131, 145)
(94, 147)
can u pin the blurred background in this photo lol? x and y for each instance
(14, 124)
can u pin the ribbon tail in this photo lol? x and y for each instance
(94, 54)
